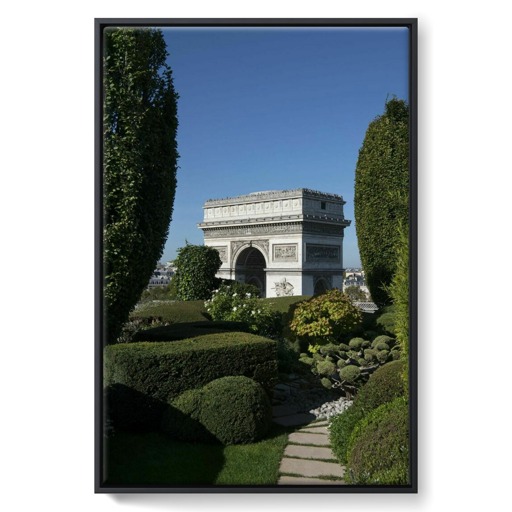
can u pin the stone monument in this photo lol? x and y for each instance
(285, 242)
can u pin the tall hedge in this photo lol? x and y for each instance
(381, 195)
(196, 266)
(399, 293)
(163, 370)
(139, 165)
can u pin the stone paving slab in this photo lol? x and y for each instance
(306, 438)
(308, 452)
(299, 480)
(294, 420)
(315, 430)
(310, 468)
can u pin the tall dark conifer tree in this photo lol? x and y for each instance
(139, 165)
(381, 204)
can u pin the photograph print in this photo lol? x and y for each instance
(256, 255)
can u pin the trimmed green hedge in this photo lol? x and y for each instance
(184, 330)
(381, 195)
(384, 385)
(164, 370)
(378, 451)
(232, 410)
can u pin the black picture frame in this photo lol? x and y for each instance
(99, 26)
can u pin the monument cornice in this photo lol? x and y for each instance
(269, 228)
(273, 195)
(288, 219)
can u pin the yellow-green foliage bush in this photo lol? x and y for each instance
(325, 318)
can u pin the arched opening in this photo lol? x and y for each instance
(250, 268)
(321, 286)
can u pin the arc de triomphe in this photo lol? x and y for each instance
(286, 242)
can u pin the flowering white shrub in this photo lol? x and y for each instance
(235, 303)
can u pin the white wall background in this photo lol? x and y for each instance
(47, 208)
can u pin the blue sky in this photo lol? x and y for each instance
(276, 108)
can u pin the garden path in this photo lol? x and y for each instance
(308, 458)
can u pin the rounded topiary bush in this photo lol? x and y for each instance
(382, 346)
(326, 368)
(395, 354)
(350, 373)
(232, 410)
(356, 343)
(383, 356)
(235, 410)
(382, 339)
(384, 385)
(370, 355)
(181, 420)
(378, 451)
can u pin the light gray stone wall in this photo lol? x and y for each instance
(298, 232)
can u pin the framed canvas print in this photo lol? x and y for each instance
(256, 317)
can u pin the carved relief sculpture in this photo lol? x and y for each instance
(283, 288)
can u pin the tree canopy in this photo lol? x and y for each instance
(139, 165)
(381, 195)
(196, 266)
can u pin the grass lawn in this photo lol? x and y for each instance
(194, 310)
(175, 311)
(142, 459)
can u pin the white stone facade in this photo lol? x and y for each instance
(287, 242)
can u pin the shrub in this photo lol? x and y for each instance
(384, 385)
(236, 410)
(356, 343)
(350, 373)
(231, 410)
(325, 368)
(386, 321)
(341, 428)
(240, 303)
(395, 354)
(162, 370)
(370, 355)
(347, 357)
(378, 450)
(181, 420)
(135, 325)
(382, 339)
(196, 266)
(326, 383)
(381, 194)
(325, 318)
(383, 356)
